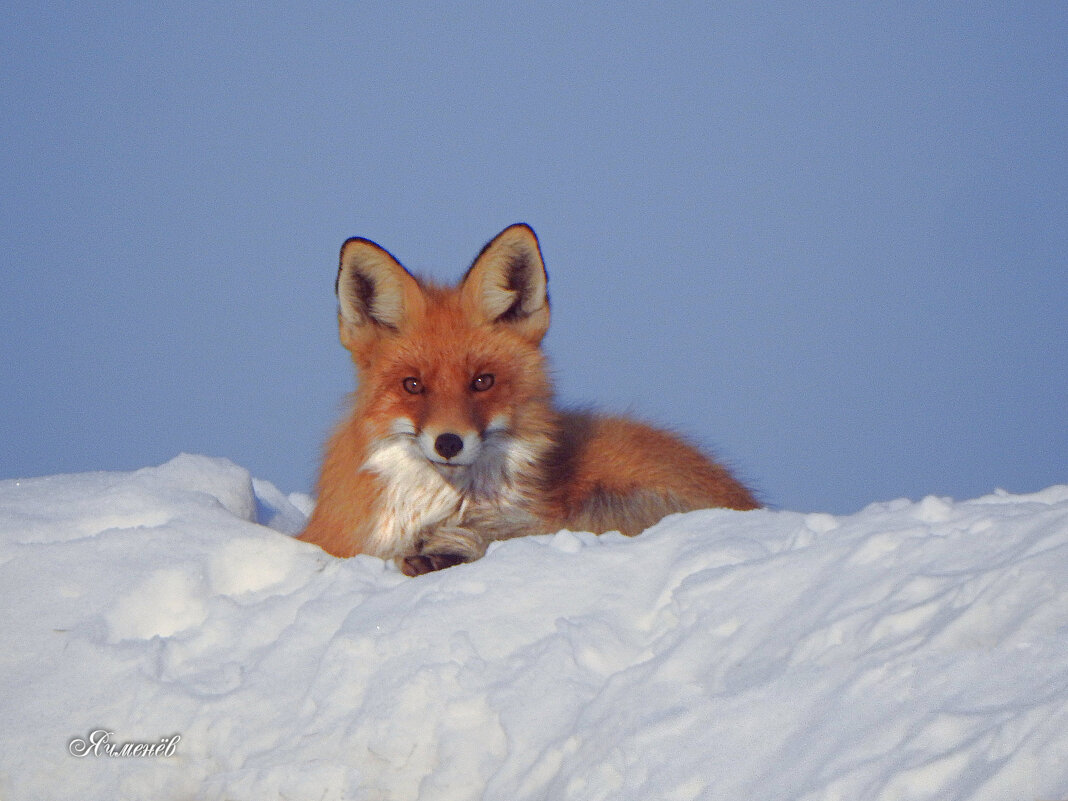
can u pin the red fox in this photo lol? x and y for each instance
(453, 440)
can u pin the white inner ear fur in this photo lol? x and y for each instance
(363, 261)
(509, 271)
(496, 300)
(497, 297)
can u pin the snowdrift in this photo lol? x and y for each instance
(912, 650)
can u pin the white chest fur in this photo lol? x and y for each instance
(415, 497)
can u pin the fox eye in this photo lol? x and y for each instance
(481, 383)
(413, 385)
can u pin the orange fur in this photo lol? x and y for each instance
(453, 440)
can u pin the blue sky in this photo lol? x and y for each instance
(829, 241)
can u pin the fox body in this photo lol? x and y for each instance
(454, 441)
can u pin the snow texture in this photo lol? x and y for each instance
(909, 651)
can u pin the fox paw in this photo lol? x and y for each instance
(427, 563)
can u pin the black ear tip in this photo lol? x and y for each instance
(354, 242)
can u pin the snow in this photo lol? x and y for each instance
(909, 651)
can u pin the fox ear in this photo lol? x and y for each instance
(375, 294)
(507, 284)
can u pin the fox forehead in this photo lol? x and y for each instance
(445, 344)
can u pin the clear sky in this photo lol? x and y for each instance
(829, 241)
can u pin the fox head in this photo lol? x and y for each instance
(450, 378)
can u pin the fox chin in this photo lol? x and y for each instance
(454, 441)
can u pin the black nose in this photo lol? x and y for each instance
(448, 445)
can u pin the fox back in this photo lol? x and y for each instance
(453, 440)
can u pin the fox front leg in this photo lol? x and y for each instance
(448, 545)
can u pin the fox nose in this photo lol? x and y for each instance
(448, 445)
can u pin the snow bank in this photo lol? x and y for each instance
(913, 650)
